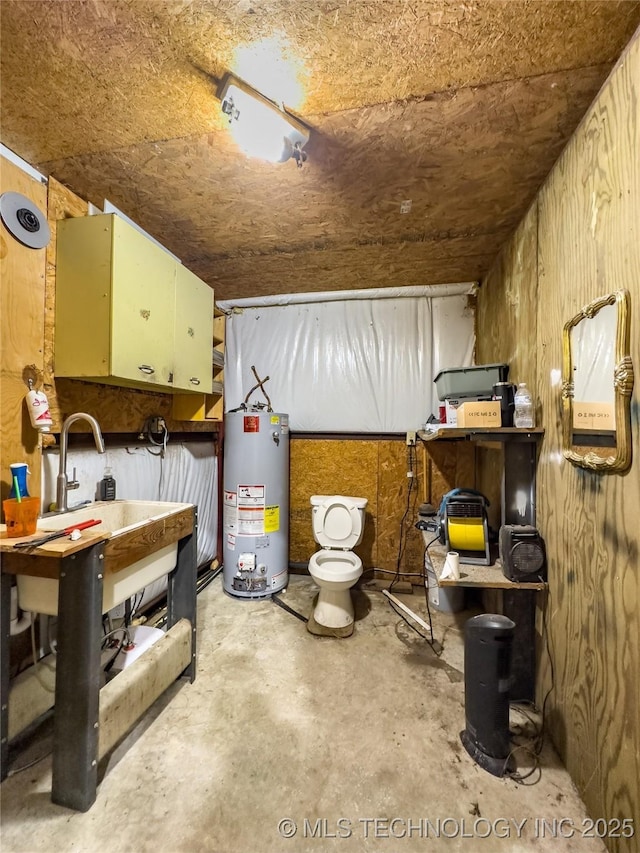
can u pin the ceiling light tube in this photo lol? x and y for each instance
(259, 126)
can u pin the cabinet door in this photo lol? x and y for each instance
(83, 298)
(143, 284)
(193, 339)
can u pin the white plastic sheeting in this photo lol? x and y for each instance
(359, 362)
(187, 473)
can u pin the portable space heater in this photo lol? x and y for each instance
(488, 641)
(464, 527)
(522, 553)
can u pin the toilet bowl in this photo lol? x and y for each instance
(338, 524)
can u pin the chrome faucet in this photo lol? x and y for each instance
(63, 484)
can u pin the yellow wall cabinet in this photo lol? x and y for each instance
(128, 313)
(206, 407)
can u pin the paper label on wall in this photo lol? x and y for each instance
(251, 510)
(271, 519)
(251, 423)
(594, 416)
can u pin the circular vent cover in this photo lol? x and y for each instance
(24, 221)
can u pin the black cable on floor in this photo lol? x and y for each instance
(290, 610)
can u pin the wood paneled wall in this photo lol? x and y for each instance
(22, 276)
(28, 346)
(581, 239)
(375, 469)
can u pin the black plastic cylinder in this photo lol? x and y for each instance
(488, 640)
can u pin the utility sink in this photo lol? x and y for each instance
(141, 546)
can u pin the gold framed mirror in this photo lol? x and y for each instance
(597, 380)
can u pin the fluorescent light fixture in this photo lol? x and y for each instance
(260, 127)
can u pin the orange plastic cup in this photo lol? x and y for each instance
(21, 517)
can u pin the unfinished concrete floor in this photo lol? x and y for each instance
(346, 745)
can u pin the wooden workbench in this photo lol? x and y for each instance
(89, 721)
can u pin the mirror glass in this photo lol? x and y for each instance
(597, 384)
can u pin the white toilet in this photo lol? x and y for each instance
(338, 524)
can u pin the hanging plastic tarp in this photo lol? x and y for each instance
(362, 361)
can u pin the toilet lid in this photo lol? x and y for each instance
(337, 524)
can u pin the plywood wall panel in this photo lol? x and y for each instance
(22, 273)
(331, 467)
(507, 306)
(589, 245)
(506, 320)
(399, 543)
(451, 465)
(377, 470)
(581, 240)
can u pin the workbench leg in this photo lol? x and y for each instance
(75, 722)
(181, 596)
(520, 606)
(5, 628)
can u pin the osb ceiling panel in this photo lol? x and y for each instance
(459, 107)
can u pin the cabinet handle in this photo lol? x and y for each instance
(194, 380)
(146, 368)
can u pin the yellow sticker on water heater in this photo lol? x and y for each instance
(271, 519)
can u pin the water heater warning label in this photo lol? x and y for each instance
(251, 510)
(251, 423)
(271, 519)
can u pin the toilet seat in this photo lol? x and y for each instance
(331, 566)
(337, 521)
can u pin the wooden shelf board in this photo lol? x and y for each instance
(487, 433)
(475, 576)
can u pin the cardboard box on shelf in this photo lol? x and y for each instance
(479, 414)
(452, 405)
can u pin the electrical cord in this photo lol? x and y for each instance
(425, 582)
(519, 777)
(36, 661)
(149, 433)
(53, 644)
(402, 541)
(126, 639)
(30, 764)
(389, 572)
(538, 737)
(137, 601)
(435, 646)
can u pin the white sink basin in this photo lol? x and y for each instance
(120, 519)
(116, 516)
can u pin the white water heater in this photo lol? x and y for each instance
(256, 503)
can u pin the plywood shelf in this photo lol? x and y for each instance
(488, 577)
(502, 434)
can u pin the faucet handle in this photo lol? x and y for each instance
(73, 483)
